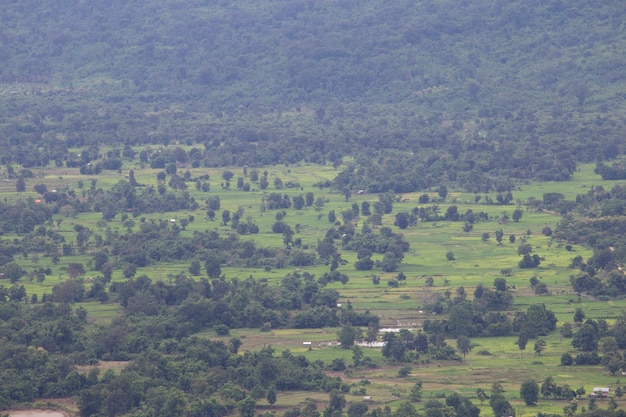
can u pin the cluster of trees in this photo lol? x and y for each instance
(42, 344)
(597, 343)
(486, 314)
(598, 221)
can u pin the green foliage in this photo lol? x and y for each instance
(529, 392)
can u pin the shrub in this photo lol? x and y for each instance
(222, 330)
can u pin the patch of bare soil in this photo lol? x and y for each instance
(104, 365)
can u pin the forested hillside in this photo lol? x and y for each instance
(458, 92)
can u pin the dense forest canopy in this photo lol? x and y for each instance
(461, 92)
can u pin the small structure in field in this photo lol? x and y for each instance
(599, 392)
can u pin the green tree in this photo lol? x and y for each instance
(271, 395)
(481, 395)
(213, 266)
(499, 236)
(247, 407)
(443, 192)
(548, 387)
(464, 344)
(225, 217)
(579, 315)
(20, 185)
(347, 336)
(357, 409)
(402, 220)
(540, 346)
(500, 405)
(13, 272)
(522, 341)
(89, 402)
(460, 320)
(416, 392)
(406, 409)
(529, 392)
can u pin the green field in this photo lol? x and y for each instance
(476, 261)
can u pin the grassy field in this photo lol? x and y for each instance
(476, 261)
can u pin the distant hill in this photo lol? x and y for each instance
(476, 91)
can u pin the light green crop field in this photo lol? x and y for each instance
(476, 261)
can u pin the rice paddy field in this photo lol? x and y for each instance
(476, 261)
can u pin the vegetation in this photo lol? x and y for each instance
(223, 208)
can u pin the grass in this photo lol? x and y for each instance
(476, 261)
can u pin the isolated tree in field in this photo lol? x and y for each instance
(579, 315)
(402, 220)
(481, 395)
(566, 359)
(499, 236)
(298, 202)
(517, 214)
(529, 392)
(540, 346)
(500, 284)
(214, 203)
(263, 183)
(227, 175)
(416, 392)
(450, 255)
(522, 341)
(464, 344)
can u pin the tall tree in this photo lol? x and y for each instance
(464, 344)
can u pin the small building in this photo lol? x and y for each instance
(599, 392)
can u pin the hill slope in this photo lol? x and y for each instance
(476, 91)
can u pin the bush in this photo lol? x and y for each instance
(404, 371)
(566, 359)
(222, 330)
